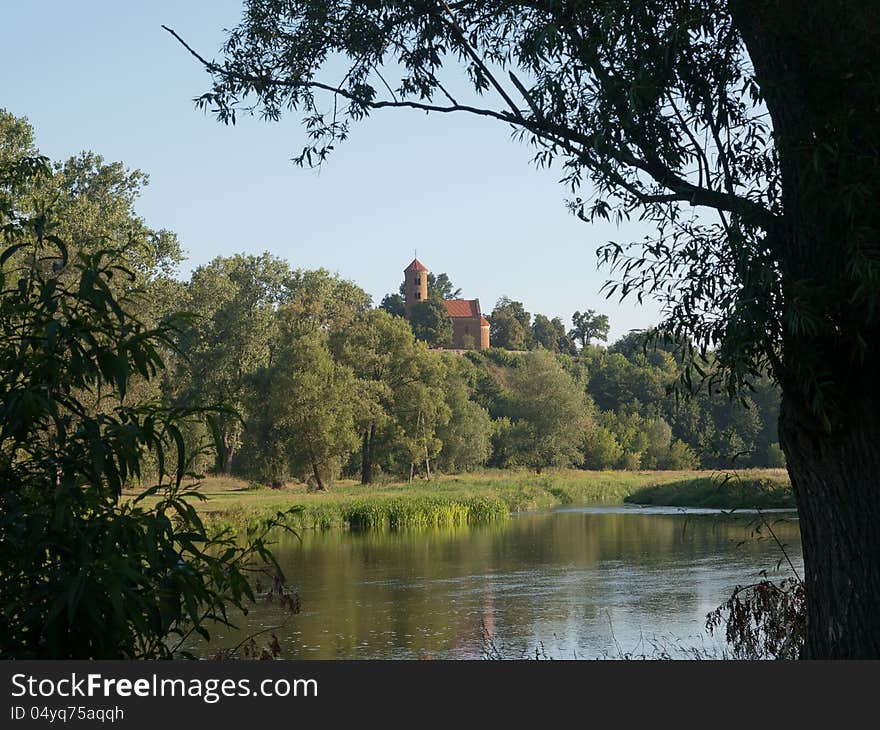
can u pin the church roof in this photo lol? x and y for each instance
(416, 265)
(484, 322)
(462, 307)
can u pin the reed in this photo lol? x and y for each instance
(376, 513)
(485, 497)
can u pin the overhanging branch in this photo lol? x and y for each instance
(570, 139)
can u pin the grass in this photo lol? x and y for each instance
(484, 497)
(758, 492)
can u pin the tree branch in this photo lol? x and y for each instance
(457, 31)
(570, 139)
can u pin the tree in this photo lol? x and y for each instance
(601, 448)
(664, 452)
(547, 333)
(399, 401)
(235, 299)
(550, 413)
(92, 203)
(226, 358)
(394, 304)
(442, 287)
(588, 326)
(505, 331)
(17, 145)
(86, 572)
(466, 437)
(310, 404)
(509, 325)
(615, 382)
(318, 301)
(564, 343)
(764, 114)
(93, 206)
(430, 323)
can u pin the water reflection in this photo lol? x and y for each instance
(579, 582)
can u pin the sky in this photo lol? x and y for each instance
(104, 76)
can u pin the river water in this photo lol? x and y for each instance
(579, 582)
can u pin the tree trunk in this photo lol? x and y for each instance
(317, 474)
(228, 453)
(836, 481)
(814, 63)
(367, 455)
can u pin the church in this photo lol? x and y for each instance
(470, 329)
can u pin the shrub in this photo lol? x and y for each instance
(84, 572)
(775, 456)
(601, 449)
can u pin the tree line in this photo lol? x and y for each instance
(321, 384)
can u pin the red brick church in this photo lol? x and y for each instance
(470, 329)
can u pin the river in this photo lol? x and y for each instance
(578, 582)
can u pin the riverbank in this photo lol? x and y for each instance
(756, 492)
(486, 497)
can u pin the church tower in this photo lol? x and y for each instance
(415, 277)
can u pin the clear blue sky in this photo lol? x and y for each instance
(104, 76)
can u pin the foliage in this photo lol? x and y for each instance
(682, 456)
(93, 208)
(509, 325)
(775, 456)
(394, 304)
(466, 437)
(441, 287)
(430, 323)
(549, 413)
(237, 299)
(413, 407)
(400, 402)
(639, 423)
(309, 408)
(85, 572)
(588, 326)
(550, 334)
(765, 620)
(322, 302)
(601, 448)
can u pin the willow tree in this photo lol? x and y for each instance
(745, 131)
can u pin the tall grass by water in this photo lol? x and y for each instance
(759, 492)
(485, 497)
